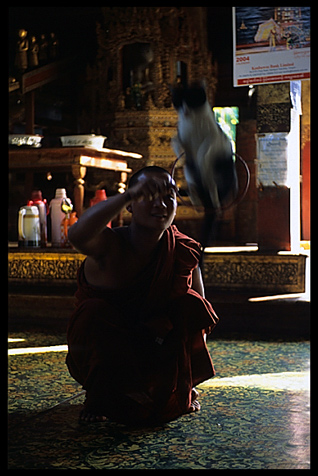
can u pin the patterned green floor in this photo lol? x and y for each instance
(255, 414)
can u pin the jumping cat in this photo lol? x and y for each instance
(209, 166)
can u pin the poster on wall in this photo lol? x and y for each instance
(270, 44)
(272, 155)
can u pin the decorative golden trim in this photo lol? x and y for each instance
(255, 271)
(273, 273)
(44, 266)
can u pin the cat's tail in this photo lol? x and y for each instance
(175, 163)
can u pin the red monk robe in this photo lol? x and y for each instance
(140, 350)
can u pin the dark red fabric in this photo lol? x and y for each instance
(139, 351)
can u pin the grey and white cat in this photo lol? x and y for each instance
(209, 166)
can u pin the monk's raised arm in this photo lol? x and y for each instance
(89, 234)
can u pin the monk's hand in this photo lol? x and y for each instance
(150, 188)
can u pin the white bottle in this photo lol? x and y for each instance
(57, 216)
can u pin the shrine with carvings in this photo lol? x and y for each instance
(142, 52)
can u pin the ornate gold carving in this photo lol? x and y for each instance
(273, 117)
(148, 132)
(44, 266)
(273, 107)
(270, 273)
(273, 93)
(138, 113)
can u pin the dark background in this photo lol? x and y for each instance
(75, 28)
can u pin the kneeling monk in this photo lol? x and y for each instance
(137, 337)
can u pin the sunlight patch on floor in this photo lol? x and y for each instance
(38, 350)
(294, 381)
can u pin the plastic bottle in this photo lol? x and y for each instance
(57, 216)
(68, 220)
(73, 218)
(41, 204)
(100, 196)
(65, 223)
